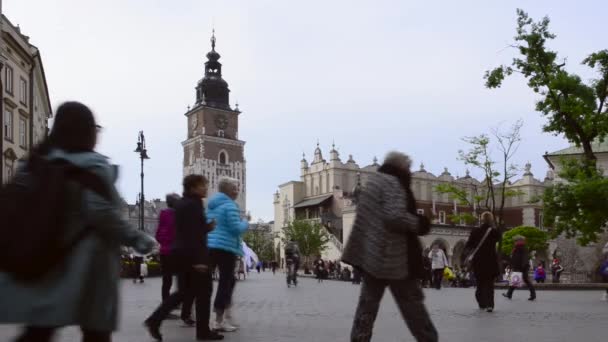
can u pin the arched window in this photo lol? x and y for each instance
(223, 158)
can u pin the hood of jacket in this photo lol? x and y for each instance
(93, 161)
(218, 200)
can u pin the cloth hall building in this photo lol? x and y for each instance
(326, 191)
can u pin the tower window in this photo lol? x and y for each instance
(220, 133)
(223, 158)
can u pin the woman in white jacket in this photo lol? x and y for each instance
(439, 262)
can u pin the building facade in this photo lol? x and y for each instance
(25, 104)
(213, 148)
(152, 209)
(326, 193)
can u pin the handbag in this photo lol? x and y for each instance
(468, 262)
(516, 279)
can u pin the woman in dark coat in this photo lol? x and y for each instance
(485, 260)
(520, 263)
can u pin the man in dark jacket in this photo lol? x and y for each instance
(520, 263)
(191, 261)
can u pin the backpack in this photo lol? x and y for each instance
(33, 208)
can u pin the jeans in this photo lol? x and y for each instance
(45, 334)
(484, 293)
(225, 262)
(191, 285)
(437, 278)
(167, 272)
(410, 300)
(526, 279)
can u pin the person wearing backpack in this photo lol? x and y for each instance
(80, 288)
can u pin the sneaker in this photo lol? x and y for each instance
(153, 330)
(228, 318)
(173, 316)
(489, 309)
(224, 326)
(211, 336)
(506, 296)
(532, 299)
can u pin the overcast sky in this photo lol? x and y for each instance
(370, 75)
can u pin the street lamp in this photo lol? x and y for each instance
(143, 154)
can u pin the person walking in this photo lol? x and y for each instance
(191, 262)
(225, 245)
(519, 263)
(378, 247)
(319, 265)
(165, 234)
(82, 289)
(439, 262)
(556, 270)
(483, 258)
(137, 260)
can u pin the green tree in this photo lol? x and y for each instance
(536, 239)
(576, 109)
(493, 192)
(261, 242)
(312, 238)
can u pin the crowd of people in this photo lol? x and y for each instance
(194, 241)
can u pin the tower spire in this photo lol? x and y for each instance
(213, 40)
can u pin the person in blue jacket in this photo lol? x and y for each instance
(225, 245)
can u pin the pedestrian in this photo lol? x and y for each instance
(356, 276)
(556, 270)
(273, 264)
(439, 262)
(539, 273)
(258, 266)
(427, 277)
(82, 289)
(225, 245)
(191, 262)
(378, 247)
(165, 234)
(482, 256)
(604, 270)
(136, 260)
(519, 263)
(319, 265)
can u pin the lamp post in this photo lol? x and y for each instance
(143, 154)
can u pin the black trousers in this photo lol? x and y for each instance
(409, 298)
(191, 285)
(45, 334)
(484, 293)
(225, 262)
(437, 278)
(166, 268)
(526, 279)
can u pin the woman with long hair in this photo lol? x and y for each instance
(82, 290)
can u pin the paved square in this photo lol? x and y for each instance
(270, 312)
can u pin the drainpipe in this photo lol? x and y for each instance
(31, 101)
(2, 115)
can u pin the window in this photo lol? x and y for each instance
(222, 158)
(22, 133)
(220, 133)
(23, 91)
(540, 220)
(9, 171)
(442, 217)
(8, 125)
(420, 211)
(8, 79)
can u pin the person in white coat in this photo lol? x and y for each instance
(439, 261)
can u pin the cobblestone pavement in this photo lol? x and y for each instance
(270, 312)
